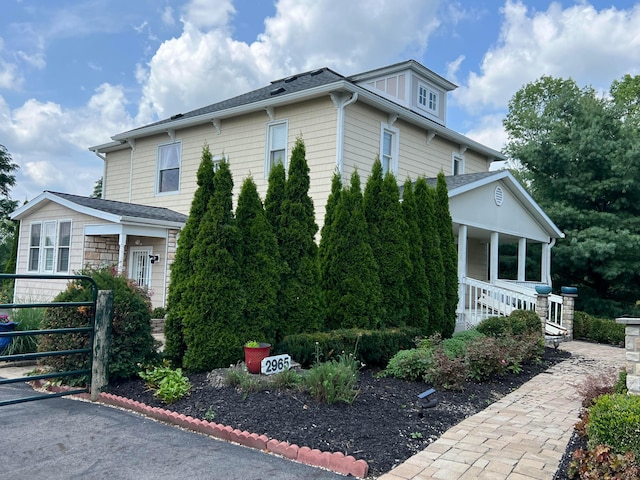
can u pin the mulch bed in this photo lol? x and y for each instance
(384, 426)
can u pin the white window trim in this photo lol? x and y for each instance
(460, 158)
(55, 248)
(157, 183)
(395, 146)
(429, 90)
(267, 146)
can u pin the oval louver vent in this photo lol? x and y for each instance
(499, 196)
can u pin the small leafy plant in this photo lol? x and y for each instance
(252, 344)
(167, 384)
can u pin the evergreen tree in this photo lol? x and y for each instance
(301, 293)
(432, 255)
(387, 234)
(418, 283)
(260, 269)
(326, 248)
(275, 197)
(449, 255)
(182, 267)
(215, 298)
(353, 292)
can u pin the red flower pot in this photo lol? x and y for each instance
(253, 356)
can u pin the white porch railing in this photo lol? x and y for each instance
(480, 300)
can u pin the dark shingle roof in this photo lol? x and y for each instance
(284, 86)
(123, 208)
(457, 181)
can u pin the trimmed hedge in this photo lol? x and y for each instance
(599, 330)
(375, 347)
(613, 421)
(520, 322)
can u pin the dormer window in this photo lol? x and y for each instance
(427, 98)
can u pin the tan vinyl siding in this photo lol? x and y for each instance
(116, 184)
(416, 156)
(242, 139)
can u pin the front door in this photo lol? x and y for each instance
(140, 265)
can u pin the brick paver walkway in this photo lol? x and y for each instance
(522, 436)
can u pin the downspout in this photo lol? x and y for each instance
(548, 260)
(132, 144)
(104, 170)
(340, 103)
(166, 267)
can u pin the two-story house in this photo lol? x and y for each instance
(396, 112)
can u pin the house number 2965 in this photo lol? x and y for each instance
(275, 364)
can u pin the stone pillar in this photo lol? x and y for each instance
(569, 295)
(632, 345)
(542, 309)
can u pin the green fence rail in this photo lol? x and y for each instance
(59, 331)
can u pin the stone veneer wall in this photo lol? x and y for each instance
(101, 250)
(172, 246)
(632, 346)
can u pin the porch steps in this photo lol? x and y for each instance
(157, 325)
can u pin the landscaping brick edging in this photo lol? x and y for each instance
(336, 462)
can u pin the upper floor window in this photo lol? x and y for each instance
(457, 164)
(276, 148)
(428, 98)
(216, 161)
(389, 142)
(169, 167)
(49, 247)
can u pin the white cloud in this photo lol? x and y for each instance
(205, 64)
(453, 67)
(167, 16)
(580, 42)
(489, 131)
(10, 78)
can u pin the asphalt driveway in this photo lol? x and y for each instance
(62, 438)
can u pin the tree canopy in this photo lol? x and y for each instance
(580, 153)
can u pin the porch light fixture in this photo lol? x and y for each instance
(154, 258)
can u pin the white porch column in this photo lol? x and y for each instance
(522, 259)
(122, 242)
(545, 268)
(493, 257)
(462, 266)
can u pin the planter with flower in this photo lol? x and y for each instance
(6, 325)
(254, 352)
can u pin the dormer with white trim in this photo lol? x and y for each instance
(412, 86)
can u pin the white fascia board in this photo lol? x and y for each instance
(109, 147)
(235, 111)
(119, 229)
(48, 196)
(126, 220)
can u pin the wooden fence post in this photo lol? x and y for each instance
(100, 365)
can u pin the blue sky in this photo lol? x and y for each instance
(73, 73)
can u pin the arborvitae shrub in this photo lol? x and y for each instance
(131, 342)
(600, 330)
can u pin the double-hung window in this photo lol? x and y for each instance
(428, 99)
(169, 156)
(49, 247)
(276, 149)
(389, 140)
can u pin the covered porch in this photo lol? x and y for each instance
(504, 242)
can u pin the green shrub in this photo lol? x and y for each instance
(375, 347)
(27, 319)
(334, 381)
(621, 384)
(413, 364)
(485, 359)
(524, 322)
(167, 384)
(456, 346)
(131, 342)
(159, 312)
(493, 326)
(600, 330)
(613, 421)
